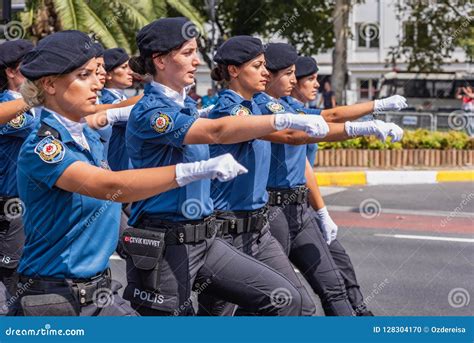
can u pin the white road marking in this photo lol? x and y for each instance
(325, 191)
(429, 238)
(404, 211)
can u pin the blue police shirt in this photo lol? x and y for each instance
(246, 192)
(288, 162)
(117, 152)
(300, 108)
(12, 136)
(155, 133)
(68, 235)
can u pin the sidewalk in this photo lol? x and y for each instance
(362, 176)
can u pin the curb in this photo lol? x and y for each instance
(392, 177)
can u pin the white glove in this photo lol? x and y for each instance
(118, 114)
(314, 126)
(204, 112)
(392, 103)
(377, 128)
(223, 167)
(326, 224)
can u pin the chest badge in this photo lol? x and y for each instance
(50, 150)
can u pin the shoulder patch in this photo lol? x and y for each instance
(50, 150)
(161, 122)
(18, 121)
(275, 107)
(240, 111)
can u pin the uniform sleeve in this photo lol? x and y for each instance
(44, 161)
(163, 127)
(21, 126)
(316, 111)
(233, 109)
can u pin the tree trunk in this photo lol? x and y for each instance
(339, 62)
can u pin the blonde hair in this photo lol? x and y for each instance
(32, 92)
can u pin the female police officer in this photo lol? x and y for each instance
(244, 215)
(304, 91)
(162, 131)
(71, 218)
(12, 136)
(291, 224)
(118, 78)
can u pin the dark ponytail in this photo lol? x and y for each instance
(137, 65)
(142, 65)
(220, 73)
(3, 80)
(3, 75)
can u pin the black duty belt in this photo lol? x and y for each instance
(83, 289)
(181, 232)
(252, 221)
(290, 196)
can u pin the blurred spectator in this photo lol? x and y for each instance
(328, 97)
(209, 99)
(466, 95)
(195, 96)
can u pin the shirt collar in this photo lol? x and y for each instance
(171, 93)
(14, 94)
(69, 130)
(119, 93)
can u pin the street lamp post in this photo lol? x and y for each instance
(211, 6)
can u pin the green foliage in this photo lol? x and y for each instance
(419, 139)
(114, 22)
(307, 24)
(432, 32)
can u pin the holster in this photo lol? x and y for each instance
(146, 249)
(49, 305)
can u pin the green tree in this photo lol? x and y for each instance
(431, 32)
(307, 24)
(114, 22)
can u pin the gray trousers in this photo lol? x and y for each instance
(12, 240)
(265, 248)
(218, 269)
(296, 229)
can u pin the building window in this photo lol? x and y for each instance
(415, 32)
(367, 35)
(367, 88)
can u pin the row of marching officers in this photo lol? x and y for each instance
(221, 201)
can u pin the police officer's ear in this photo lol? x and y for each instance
(11, 72)
(234, 71)
(48, 83)
(159, 61)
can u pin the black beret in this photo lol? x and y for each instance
(280, 56)
(13, 51)
(238, 50)
(164, 35)
(114, 57)
(99, 49)
(58, 54)
(305, 66)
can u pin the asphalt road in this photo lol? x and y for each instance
(413, 247)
